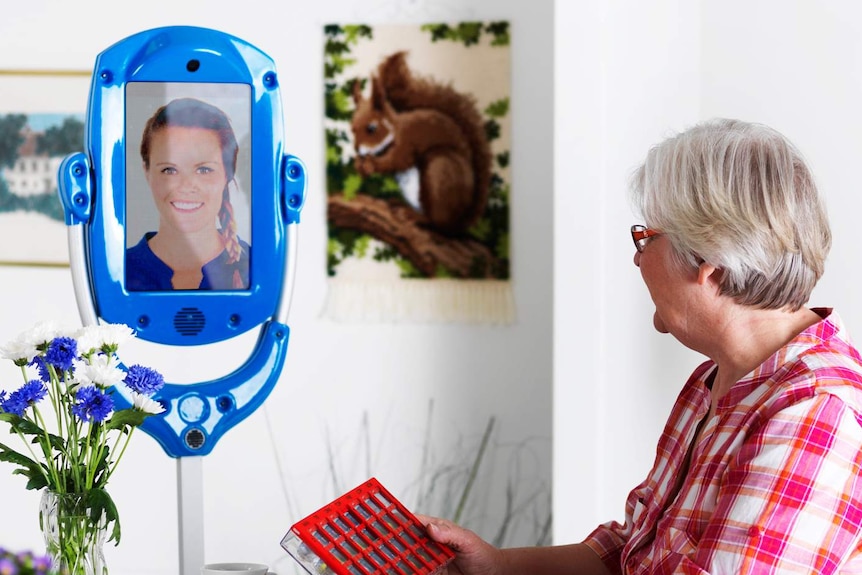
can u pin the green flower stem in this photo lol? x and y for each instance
(91, 457)
(45, 442)
(96, 451)
(55, 392)
(74, 454)
(33, 454)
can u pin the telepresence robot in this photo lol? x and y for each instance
(108, 197)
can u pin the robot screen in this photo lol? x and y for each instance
(188, 186)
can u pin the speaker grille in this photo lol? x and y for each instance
(189, 321)
(194, 438)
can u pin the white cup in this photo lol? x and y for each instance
(234, 569)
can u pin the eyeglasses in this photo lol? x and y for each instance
(641, 236)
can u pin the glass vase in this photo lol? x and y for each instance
(74, 535)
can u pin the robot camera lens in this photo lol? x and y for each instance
(193, 65)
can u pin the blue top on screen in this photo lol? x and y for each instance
(182, 213)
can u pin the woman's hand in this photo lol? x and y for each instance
(473, 556)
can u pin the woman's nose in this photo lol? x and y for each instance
(637, 258)
(188, 184)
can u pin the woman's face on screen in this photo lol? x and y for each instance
(187, 177)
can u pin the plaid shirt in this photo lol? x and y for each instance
(775, 481)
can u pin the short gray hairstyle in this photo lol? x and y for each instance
(740, 197)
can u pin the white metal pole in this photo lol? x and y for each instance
(190, 504)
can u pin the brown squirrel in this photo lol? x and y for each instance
(431, 137)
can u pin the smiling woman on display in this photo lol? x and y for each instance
(189, 154)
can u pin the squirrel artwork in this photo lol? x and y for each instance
(431, 138)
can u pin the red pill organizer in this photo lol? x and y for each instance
(365, 531)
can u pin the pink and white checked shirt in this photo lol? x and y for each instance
(775, 481)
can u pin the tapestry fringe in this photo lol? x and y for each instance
(420, 300)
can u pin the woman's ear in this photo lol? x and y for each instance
(707, 272)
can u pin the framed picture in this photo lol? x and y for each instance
(42, 117)
(418, 170)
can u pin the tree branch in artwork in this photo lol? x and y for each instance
(398, 225)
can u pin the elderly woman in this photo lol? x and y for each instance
(759, 468)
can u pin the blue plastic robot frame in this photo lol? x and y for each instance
(94, 190)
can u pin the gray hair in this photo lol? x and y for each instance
(740, 197)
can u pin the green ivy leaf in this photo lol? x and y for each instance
(503, 159)
(362, 245)
(481, 229)
(332, 155)
(352, 183)
(469, 32)
(408, 270)
(438, 31)
(390, 185)
(502, 249)
(492, 130)
(500, 31)
(332, 30)
(442, 272)
(333, 247)
(354, 32)
(334, 47)
(498, 108)
(342, 102)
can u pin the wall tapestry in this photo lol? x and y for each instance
(417, 125)
(41, 121)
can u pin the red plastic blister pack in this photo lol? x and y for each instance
(364, 532)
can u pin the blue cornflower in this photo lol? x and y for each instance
(92, 404)
(144, 380)
(23, 397)
(42, 368)
(13, 405)
(61, 352)
(7, 567)
(42, 563)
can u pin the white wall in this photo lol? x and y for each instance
(273, 468)
(627, 73)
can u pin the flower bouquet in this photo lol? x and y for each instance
(72, 445)
(24, 563)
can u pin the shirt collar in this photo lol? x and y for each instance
(828, 328)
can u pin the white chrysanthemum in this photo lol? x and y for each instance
(26, 344)
(42, 333)
(101, 370)
(89, 339)
(146, 404)
(22, 347)
(93, 337)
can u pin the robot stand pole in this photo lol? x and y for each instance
(190, 503)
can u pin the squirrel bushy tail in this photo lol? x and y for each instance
(406, 91)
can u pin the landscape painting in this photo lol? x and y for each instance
(42, 117)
